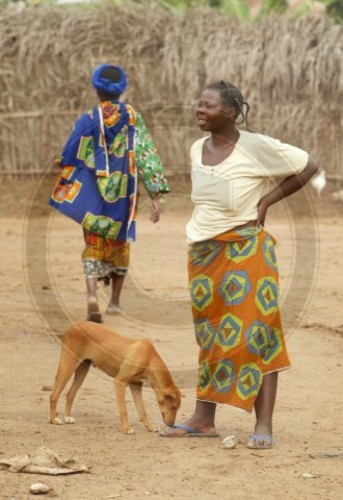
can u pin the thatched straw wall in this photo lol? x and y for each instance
(290, 71)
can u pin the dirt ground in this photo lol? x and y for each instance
(43, 291)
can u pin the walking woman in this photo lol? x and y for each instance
(108, 152)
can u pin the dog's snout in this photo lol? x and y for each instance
(169, 419)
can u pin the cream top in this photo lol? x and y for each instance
(226, 195)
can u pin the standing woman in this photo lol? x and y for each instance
(108, 152)
(233, 276)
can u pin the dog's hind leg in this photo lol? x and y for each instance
(136, 390)
(67, 366)
(79, 376)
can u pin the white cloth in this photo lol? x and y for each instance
(226, 195)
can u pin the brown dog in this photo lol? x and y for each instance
(128, 361)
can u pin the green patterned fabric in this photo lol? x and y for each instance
(148, 163)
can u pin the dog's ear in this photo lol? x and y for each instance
(172, 396)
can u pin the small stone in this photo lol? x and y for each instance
(230, 442)
(40, 488)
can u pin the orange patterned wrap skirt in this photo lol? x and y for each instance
(103, 257)
(234, 288)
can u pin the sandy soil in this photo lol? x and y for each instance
(43, 291)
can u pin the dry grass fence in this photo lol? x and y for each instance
(291, 72)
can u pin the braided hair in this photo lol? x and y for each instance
(233, 97)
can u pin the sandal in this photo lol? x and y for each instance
(260, 442)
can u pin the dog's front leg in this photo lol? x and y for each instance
(120, 388)
(136, 390)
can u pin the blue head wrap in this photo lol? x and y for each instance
(105, 84)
